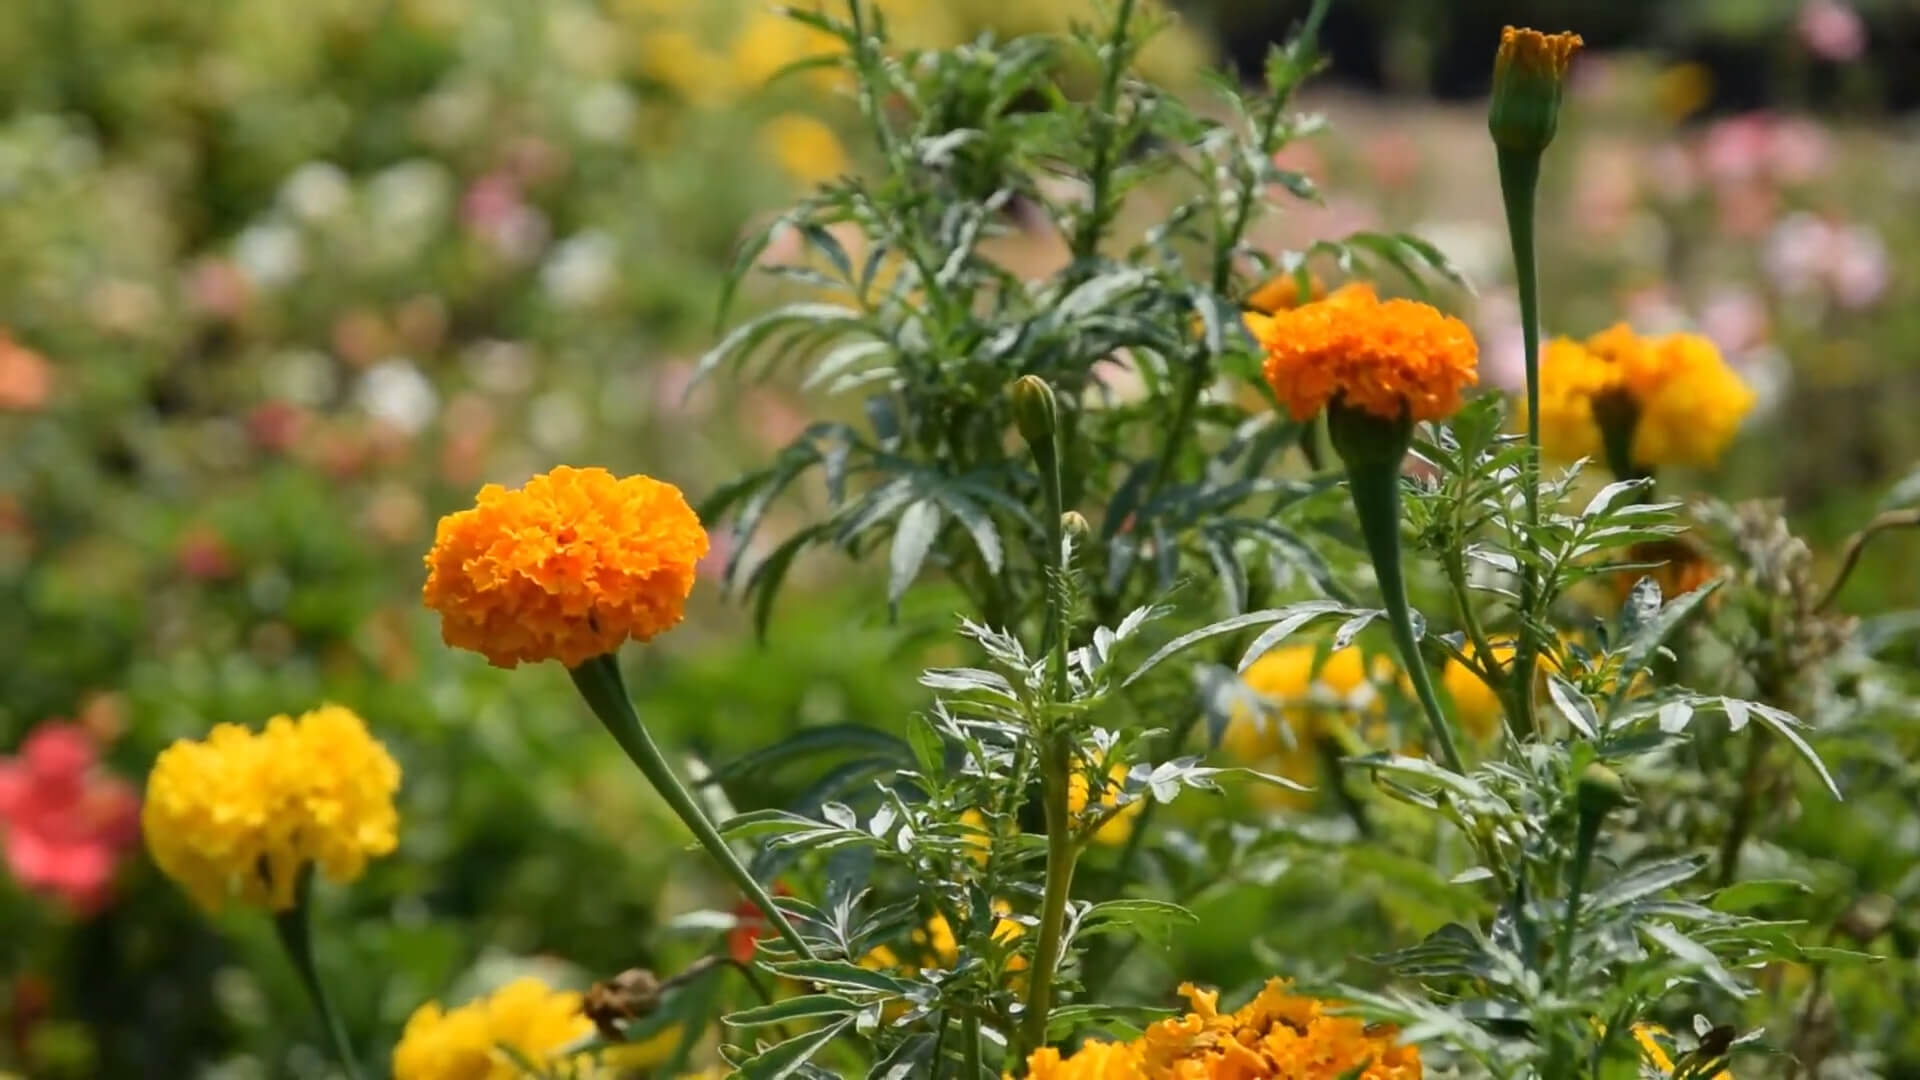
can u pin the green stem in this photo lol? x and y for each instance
(599, 682)
(970, 1033)
(1375, 484)
(1100, 171)
(1519, 181)
(1056, 771)
(293, 928)
(1744, 811)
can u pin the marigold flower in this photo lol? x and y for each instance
(1311, 701)
(1276, 1035)
(478, 1040)
(805, 147)
(1475, 704)
(567, 568)
(243, 814)
(1529, 76)
(1669, 400)
(1391, 359)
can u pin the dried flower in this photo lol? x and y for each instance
(1529, 76)
(65, 822)
(1393, 359)
(242, 814)
(567, 568)
(1277, 1035)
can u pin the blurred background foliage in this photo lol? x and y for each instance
(280, 283)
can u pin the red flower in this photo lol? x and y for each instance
(65, 822)
(749, 922)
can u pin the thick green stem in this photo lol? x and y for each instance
(1375, 484)
(294, 930)
(1519, 180)
(1056, 772)
(970, 1032)
(599, 682)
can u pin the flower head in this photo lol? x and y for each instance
(1312, 699)
(65, 823)
(478, 1040)
(566, 568)
(242, 814)
(1529, 76)
(1277, 1035)
(1669, 400)
(1392, 359)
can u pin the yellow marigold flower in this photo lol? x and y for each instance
(241, 814)
(566, 568)
(805, 147)
(1691, 402)
(1389, 358)
(1670, 400)
(1277, 1035)
(1649, 1036)
(477, 1041)
(1572, 377)
(1310, 703)
(1529, 76)
(1117, 828)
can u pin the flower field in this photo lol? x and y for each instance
(636, 538)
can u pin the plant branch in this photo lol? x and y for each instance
(1857, 544)
(1519, 178)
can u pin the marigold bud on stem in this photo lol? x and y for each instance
(1529, 75)
(1034, 410)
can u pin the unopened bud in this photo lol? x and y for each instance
(1075, 526)
(1034, 410)
(1529, 76)
(1601, 790)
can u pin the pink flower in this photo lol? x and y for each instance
(1832, 30)
(1735, 318)
(26, 379)
(65, 823)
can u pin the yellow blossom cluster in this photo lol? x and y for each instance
(1674, 398)
(566, 568)
(241, 814)
(527, 1018)
(1277, 1035)
(1391, 359)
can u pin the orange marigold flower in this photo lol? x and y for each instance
(567, 568)
(1388, 358)
(1277, 1035)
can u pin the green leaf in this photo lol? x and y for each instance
(1696, 955)
(1641, 647)
(787, 1059)
(837, 973)
(812, 742)
(1748, 895)
(1646, 880)
(798, 1008)
(1303, 613)
(1573, 705)
(1063, 1021)
(912, 539)
(1146, 918)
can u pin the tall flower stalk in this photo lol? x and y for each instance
(1529, 77)
(1376, 368)
(1035, 413)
